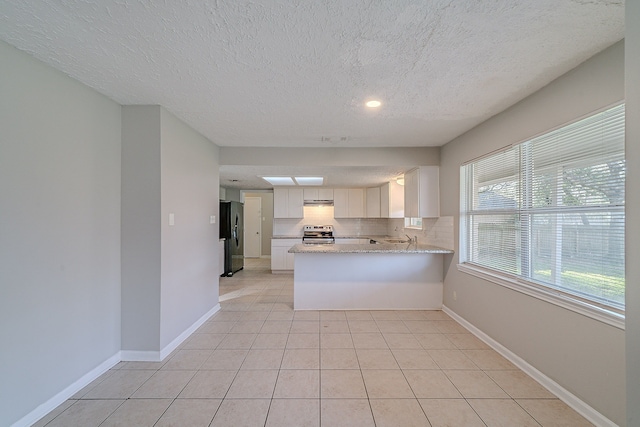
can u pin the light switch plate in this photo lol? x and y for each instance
(172, 219)
(212, 219)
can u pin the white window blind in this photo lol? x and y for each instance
(550, 211)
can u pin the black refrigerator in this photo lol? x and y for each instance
(231, 221)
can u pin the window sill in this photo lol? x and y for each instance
(597, 313)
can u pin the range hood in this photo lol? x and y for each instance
(318, 202)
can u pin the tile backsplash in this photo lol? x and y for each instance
(435, 231)
(323, 215)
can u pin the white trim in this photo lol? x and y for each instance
(563, 394)
(610, 318)
(183, 336)
(157, 356)
(51, 404)
(126, 355)
(140, 356)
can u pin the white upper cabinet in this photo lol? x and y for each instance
(356, 203)
(422, 192)
(341, 203)
(392, 200)
(318, 194)
(296, 203)
(373, 202)
(288, 203)
(348, 203)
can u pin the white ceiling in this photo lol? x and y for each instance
(288, 73)
(248, 177)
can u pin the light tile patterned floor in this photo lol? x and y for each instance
(259, 363)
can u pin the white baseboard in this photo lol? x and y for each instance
(140, 356)
(51, 404)
(126, 355)
(191, 329)
(563, 394)
(157, 356)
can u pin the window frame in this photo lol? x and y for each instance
(413, 223)
(592, 308)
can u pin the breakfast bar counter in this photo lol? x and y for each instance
(386, 276)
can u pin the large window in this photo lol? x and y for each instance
(548, 214)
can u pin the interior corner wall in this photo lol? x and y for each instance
(190, 187)
(141, 230)
(632, 244)
(583, 355)
(59, 234)
(232, 194)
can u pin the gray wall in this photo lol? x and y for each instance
(632, 94)
(169, 273)
(141, 192)
(190, 247)
(584, 356)
(59, 233)
(232, 194)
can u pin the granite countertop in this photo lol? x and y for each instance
(391, 248)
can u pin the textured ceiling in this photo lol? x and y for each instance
(288, 73)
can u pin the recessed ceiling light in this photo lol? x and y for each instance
(373, 103)
(309, 180)
(279, 180)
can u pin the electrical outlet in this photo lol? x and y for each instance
(455, 296)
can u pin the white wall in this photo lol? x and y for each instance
(632, 244)
(334, 156)
(59, 232)
(190, 188)
(584, 356)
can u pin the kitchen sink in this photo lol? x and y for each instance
(397, 241)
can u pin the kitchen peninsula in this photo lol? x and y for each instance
(385, 276)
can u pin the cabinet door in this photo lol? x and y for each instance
(411, 192)
(356, 203)
(325, 193)
(396, 200)
(311, 194)
(278, 257)
(296, 203)
(373, 202)
(429, 191)
(280, 203)
(289, 260)
(341, 203)
(384, 201)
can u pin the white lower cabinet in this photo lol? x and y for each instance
(281, 259)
